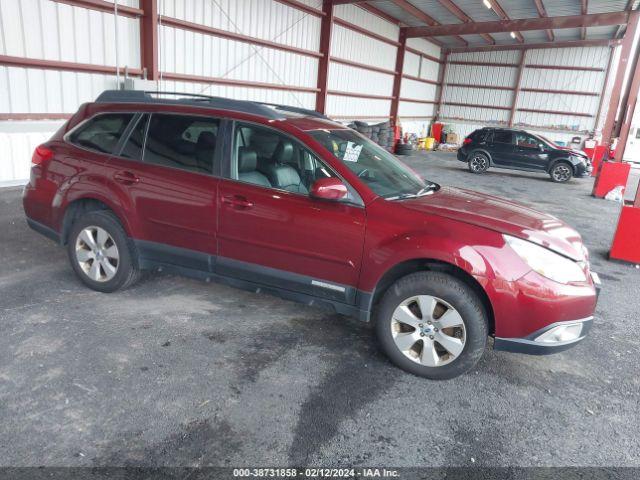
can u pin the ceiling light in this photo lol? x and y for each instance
(487, 3)
(513, 34)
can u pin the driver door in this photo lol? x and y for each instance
(528, 154)
(285, 239)
(502, 148)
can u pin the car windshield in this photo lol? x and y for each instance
(380, 170)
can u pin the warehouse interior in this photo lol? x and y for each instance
(146, 378)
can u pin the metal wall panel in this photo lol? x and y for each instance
(412, 64)
(55, 31)
(357, 47)
(27, 90)
(283, 97)
(481, 75)
(424, 46)
(533, 78)
(363, 18)
(477, 114)
(353, 108)
(264, 19)
(463, 129)
(17, 142)
(417, 90)
(193, 53)
(350, 79)
(499, 56)
(410, 110)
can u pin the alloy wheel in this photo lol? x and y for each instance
(97, 254)
(478, 163)
(428, 330)
(561, 173)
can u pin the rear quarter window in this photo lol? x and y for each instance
(102, 133)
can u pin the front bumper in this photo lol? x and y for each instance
(550, 339)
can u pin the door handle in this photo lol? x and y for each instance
(126, 178)
(237, 201)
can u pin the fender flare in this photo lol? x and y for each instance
(567, 160)
(100, 189)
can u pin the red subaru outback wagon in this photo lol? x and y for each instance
(283, 200)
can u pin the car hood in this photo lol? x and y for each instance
(503, 216)
(573, 151)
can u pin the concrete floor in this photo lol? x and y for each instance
(179, 372)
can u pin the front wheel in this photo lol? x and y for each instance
(478, 163)
(432, 325)
(561, 172)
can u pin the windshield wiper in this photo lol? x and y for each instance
(420, 193)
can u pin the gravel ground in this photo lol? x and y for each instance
(180, 372)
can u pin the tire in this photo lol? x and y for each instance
(117, 268)
(561, 172)
(454, 302)
(478, 163)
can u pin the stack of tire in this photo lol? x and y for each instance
(381, 133)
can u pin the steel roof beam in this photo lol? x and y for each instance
(543, 14)
(460, 15)
(529, 24)
(628, 8)
(531, 46)
(584, 9)
(503, 15)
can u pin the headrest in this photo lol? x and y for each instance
(247, 160)
(283, 152)
(207, 140)
(283, 176)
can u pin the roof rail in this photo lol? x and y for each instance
(268, 110)
(304, 111)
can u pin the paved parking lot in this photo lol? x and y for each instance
(180, 372)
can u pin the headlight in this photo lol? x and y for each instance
(547, 263)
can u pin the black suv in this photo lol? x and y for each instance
(520, 150)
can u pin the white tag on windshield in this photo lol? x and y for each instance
(352, 153)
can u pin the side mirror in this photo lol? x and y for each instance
(329, 189)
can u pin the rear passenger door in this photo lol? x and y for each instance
(166, 166)
(502, 148)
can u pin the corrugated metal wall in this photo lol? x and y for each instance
(354, 46)
(495, 104)
(192, 53)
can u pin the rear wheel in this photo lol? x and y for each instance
(101, 253)
(432, 325)
(561, 172)
(478, 163)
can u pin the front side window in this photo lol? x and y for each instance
(500, 136)
(102, 133)
(268, 158)
(526, 141)
(377, 168)
(182, 141)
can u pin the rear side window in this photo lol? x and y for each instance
(500, 136)
(182, 141)
(479, 135)
(102, 133)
